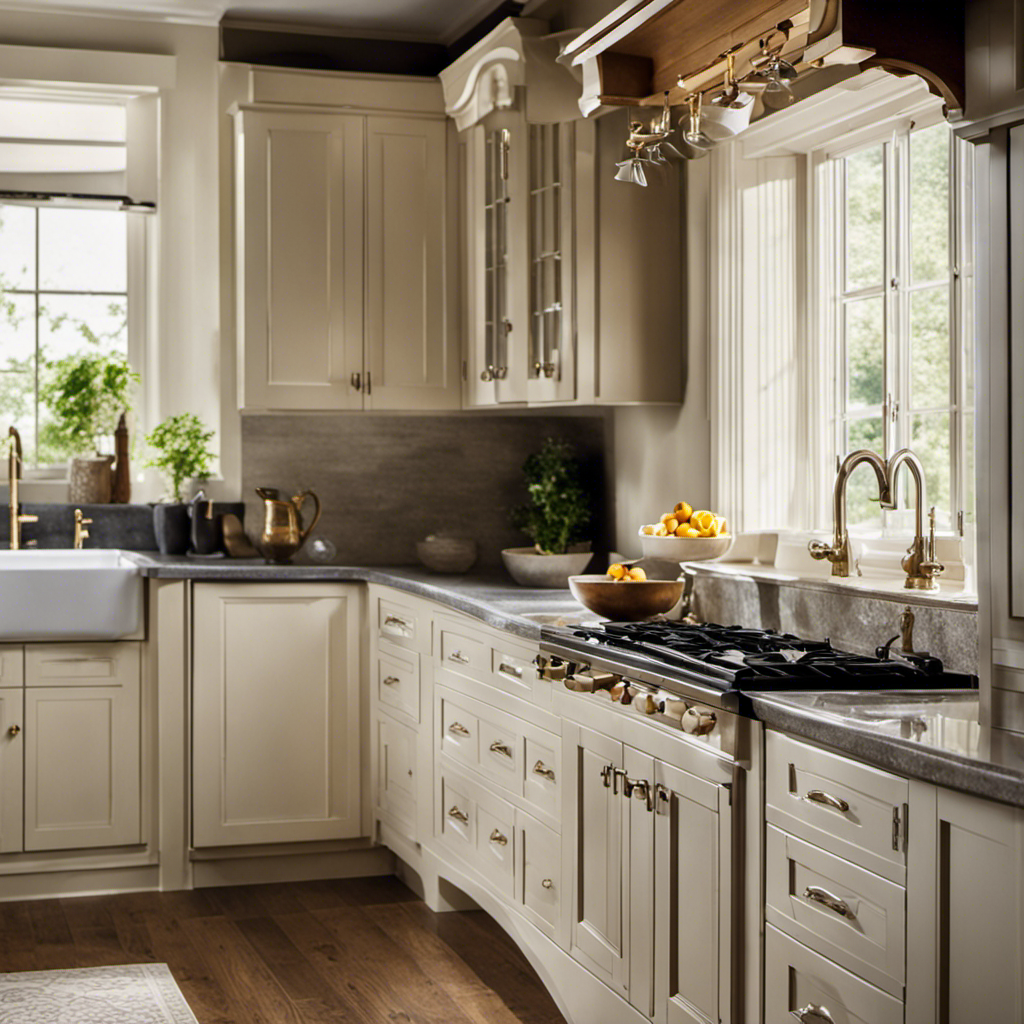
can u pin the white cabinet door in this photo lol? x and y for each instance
(300, 259)
(600, 912)
(12, 734)
(275, 713)
(411, 348)
(396, 775)
(82, 736)
(693, 910)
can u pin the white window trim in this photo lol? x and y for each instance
(843, 117)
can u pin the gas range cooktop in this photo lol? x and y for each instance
(734, 658)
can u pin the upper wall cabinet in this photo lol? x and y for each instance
(533, 221)
(341, 259)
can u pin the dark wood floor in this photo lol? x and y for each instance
(356, 951)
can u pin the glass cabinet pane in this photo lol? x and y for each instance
(546, 198)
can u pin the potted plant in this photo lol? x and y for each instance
(181, 454)
(86, 393)
(554, 519)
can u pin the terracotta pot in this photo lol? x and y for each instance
(91, 480)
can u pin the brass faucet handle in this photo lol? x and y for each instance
(81, 522)
(819, 549)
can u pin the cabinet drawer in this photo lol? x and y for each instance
(12, 665)
(460, 650)
(401, 624)
(541, 853)
(495, 846)
(513, 670)
(501, 751)
(82, 664)
(542, 775)
(460, 733)
(836, 803)
(801, 985)
(851, 915)
(396, 774)
(398, 680)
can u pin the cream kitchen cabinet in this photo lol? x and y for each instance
(653, 879)
(571, 279)
(341, 248)
(70, 748)
(275, 713)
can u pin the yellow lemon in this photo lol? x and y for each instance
(667, 516)
(637, 574)
(660, 531)
(691, 532)
(683, 511)
(649, 531)
(617, 570)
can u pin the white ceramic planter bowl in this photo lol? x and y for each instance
(447, 554)
(685, 549)
(529, 569)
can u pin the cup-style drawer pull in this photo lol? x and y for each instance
(547, 883)
(514, 671)
(458, 657)
(458, 728)
(826, 899)
(812, 1014)
(498, 747)
(540, 768)
(394, 620)
(14, 730)
(819, 796)
(454, 812)
(391, 680)
(498, 839)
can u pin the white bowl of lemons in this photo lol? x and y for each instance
(686, 535)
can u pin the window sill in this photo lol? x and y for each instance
(951, 594)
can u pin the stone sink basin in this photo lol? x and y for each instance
(69, 595)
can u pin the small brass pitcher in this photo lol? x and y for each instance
(283, 535)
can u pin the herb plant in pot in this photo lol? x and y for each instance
(180, 452)
(86, 394)
(554, 520)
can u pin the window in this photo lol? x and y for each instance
(64, 263)
(901, 372)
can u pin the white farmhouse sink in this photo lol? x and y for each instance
(69, 595)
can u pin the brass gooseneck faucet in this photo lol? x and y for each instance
(13, 477)
(919, 563)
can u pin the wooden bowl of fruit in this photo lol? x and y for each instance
(685, 535)
(625, 595)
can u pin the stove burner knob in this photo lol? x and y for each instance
(645, 703)
(620, 692)
(674, 708)
(698, 721)
(589, 681)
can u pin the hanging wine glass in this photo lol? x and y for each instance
(694, 133)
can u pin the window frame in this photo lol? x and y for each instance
(828, 202)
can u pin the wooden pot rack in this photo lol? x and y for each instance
(645, 48)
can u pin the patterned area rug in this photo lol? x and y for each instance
(133, 994)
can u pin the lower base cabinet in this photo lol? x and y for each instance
(275, 723)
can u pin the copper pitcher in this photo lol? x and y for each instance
(282, 534)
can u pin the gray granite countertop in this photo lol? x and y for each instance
(493, 599)
(927, 734)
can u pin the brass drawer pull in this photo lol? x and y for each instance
(821, 797)
(506, 669)
(826, 899)
(458, 815)
(458, 657)
(391, 680)
(548, 773)
(394, 620)
(812, 1014)
(547, 883)
(498, 747)
(458, 728)
(498, 838)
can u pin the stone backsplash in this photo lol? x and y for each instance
(387, 481)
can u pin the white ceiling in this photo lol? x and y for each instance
(433, 20)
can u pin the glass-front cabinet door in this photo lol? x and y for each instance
(550, 369)
(518, 257)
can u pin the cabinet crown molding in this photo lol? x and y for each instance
(513, 67)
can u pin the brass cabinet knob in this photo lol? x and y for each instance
(14, 730)
(547, 883)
